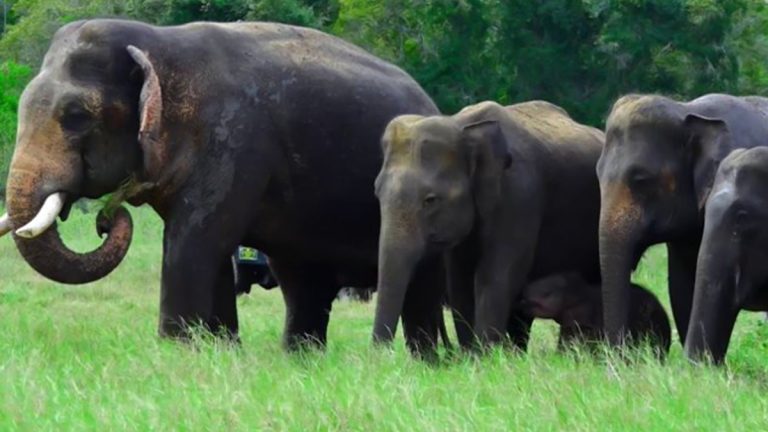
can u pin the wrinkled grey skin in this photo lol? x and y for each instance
(259, 134)
(656, 170)
(504, 194)
(578, 308)
(732, 268)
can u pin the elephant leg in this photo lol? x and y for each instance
(225, 302)
(197, 288)
(421, 308)
(519, 330)
(682, 279)
(461, 296)
(308, 292)
(504, 263)
(498, 283)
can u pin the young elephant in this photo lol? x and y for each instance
(506, 194)
(577, 306)
(731, 273)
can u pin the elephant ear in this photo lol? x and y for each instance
(489, 158)
(150, 115)
(708, 146)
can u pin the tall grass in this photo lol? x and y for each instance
(13, 77)
(87, 358)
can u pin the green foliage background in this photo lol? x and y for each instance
(580, 54)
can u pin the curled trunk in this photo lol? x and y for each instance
(48, 254)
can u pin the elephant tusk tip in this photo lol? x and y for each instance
(26, 233)
(5, 225)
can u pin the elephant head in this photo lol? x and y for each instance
(89, 121)
(439, 176)
(655, 173)
(731, 270)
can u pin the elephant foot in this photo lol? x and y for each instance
(424, 352)
(189, 332)
(303, 342)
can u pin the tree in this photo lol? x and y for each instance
(27, 40)
(580, 54)
(13, 78)
(749, 39)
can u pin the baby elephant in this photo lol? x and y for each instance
(577, 306)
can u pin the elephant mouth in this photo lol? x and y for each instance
(67, 208)
(637, 255)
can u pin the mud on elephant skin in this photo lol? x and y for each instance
(731, 273)
(259, 134)
(503, 194)
(655, 173)
(577, 307)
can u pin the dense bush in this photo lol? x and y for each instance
(13, 77)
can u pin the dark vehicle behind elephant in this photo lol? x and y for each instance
(254, 133)
(656, 172)
(250, 266)
(505, 194)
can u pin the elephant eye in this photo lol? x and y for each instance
(640, 179)
(430, 200)
(742, 221)
(76, 120)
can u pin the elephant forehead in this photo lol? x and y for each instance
(38, 98)
(46, 96)
(401, 185)
(397, 139)
(749, 181)
(650, 110)
(722, 195)
(434, 149)
(754, 160)
(37, 112)
(439, 156)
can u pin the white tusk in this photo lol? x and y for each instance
(5, 225)
(44, 218)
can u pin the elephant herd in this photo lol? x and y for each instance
(342, 170)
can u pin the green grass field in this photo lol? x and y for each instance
(88, 358)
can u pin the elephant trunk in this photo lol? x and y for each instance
(618, 237)
(43, 247)
(718, 279)
(399, 254)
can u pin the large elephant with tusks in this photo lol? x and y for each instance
(259, 134)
